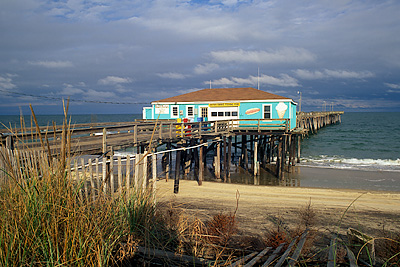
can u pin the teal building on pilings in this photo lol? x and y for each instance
(240, 106)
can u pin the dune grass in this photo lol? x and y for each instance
(44, 221)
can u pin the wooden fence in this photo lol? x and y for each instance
(101, 175)
(115, 175)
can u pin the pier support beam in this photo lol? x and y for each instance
(224, 170)
(228, 167)
(177, 170)
(298, 148)
(201, 163)
(244, 151)
(255, 153)
(217, 161)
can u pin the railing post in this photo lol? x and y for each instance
(200, 125)
(182, 126)
(170, 131)
(216, 127)
(104, 141)
(154, 180)
(258, 125)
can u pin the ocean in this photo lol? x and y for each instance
(365, 142)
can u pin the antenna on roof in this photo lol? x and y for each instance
(210, 84)
(258, 79)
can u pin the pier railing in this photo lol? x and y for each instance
(313, 121)
(94, 138)
(87, 138)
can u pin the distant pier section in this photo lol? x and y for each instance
(313, 121)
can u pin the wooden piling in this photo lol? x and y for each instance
(168, 161)
(298, 148)
(177, 170)
(217, 162)
(255, 152)
(201, 163)
(245, 153)
(224, 170)
(228, 167)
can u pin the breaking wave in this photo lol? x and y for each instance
(338, 162)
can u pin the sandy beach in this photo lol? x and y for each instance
(371, 212)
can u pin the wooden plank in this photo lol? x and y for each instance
(286, 253)
(112, 185)
(119, 163)
(243, 260)
(97, 174)
(128, 174)
(274, 255)
(144, 166)
(332, 252)
(92, 185)
(352, 258)
(104, 177)
(258, 257)
(298, 249)
(154, 180)
(171, 256)
(84, 180)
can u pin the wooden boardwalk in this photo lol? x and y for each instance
(268, 144)
(313, 121)
(92, 138)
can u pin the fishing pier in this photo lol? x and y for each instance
(177, 148)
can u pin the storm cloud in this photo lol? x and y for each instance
(101, 53)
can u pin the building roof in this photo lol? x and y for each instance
(223, 94)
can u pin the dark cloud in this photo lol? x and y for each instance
(341, 52)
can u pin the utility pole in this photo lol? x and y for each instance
(298, 92)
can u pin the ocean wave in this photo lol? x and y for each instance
(339, 162)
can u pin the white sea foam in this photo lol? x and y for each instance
(338, 162)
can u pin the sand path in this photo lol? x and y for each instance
(371, 212)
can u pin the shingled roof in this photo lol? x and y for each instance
(223, 94)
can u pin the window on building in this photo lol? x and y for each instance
(214, 114)
(267, 111)
(175, 112)
(234, 113)
(227, 113)
(220, 113)
(190, 111)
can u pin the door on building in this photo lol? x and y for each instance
(204, 113)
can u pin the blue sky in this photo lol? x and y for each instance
(113, 56)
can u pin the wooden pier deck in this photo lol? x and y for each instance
(268, 144)
(90, 138)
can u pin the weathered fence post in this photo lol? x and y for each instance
(154, 180)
